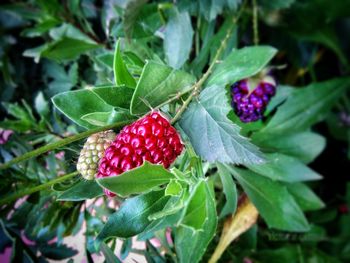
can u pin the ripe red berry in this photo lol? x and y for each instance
(151, 138)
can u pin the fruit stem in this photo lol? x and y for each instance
(182, 108)
(255, 23)
(174, 98)
(59, 144)
(35, 189)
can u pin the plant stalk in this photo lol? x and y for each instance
(255, 23)
(35, 189)
(198, 85)
(59, 144)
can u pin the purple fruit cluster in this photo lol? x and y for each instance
(250, 106)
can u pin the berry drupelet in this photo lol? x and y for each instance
(151, 138)
(92, 152)
(249, 103)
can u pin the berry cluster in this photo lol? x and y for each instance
(151, 138)
(250, 105)
(92, 152)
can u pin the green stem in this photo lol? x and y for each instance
(174, 98)
(182, 108)
(197, 36)
(255, 23)
(198, 85)
(35, 189)
(59, 144)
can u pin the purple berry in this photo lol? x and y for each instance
(249, 105)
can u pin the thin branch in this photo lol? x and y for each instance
(35, 189)
(59, 144)
(255, 23)
(198, 85)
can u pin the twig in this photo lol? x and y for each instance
(59, 144)
(198, 85)
(35, 189)
(255, 23)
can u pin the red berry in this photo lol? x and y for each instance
(125, 150)
(136, 142)
(150, 143)
(151, 138)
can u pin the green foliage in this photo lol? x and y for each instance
(273, 201)
(306, 106)
(157, 84)
(178, 38)
(139, 180)
(132, 217)
(241, 64)
(121, 73)
(192, 249)
(81, 191)
(230, 190)
(213, 136)
(284, 168)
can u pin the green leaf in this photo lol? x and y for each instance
(157, 84)
(275, 4)
(281, 167)
(23, 117)
(306, 106)
(67, 49)
(76, 104)
(131, 14)
(69, 31)
(121, 73)
(178, 38)
(190, 245)
(211, 8)
(327, 36)
(139, 180)
(305, 146)
(81, 191)
(57, 251)
(106, 59)
(282, 93)
(63, 80)
(105, 118)
(41, 105)
(115, 96)
(240, 64)
(230, 191)
(273, 201)
(305, 197)
(174, 188)
(35, 52)
(213, 136)
(173, 206)
(195, 213)
(132, 217)
(40, 28)
(159, 224)
(109, 255)
(211, 43)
